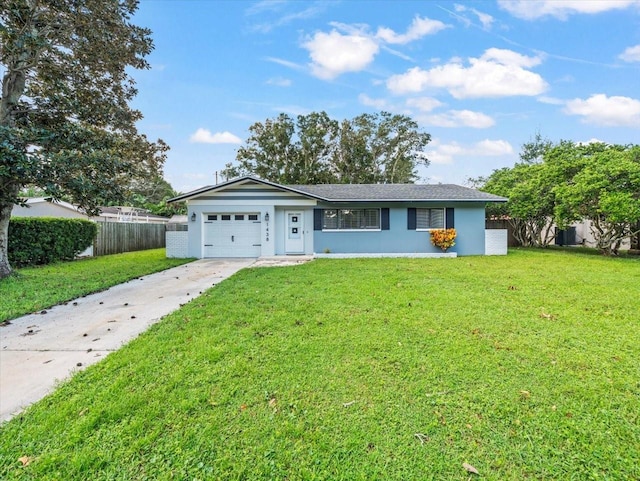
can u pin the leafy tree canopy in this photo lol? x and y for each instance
(606, 190)
(315, 149)
(66, 126)
(152, 194)
(566, 182)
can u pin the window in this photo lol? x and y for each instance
(429, 219)
(253, 216)
(239, 217)
(212, 217)
(226, 217)
(351, 219)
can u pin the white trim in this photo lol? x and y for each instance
(254, 202)
(352, 230)
(416, 255)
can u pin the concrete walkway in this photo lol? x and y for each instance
(39, 350)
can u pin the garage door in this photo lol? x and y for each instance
(232, 235)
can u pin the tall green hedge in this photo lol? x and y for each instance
(42, 240)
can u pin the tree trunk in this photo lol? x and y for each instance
(5, 215)
(13, 86)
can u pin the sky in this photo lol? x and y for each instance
(482, 77)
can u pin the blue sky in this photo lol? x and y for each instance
(481, 77)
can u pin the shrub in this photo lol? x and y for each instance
(42, 240)
(443, 238)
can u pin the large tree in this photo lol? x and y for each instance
(314, 149)
(531, 202)
(605, 190)
(66, 126)
(529, 186)
(152, 194)
(558, 184)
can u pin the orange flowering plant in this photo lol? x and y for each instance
(443, 238)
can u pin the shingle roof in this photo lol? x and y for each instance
(396, 192)
(365, 192)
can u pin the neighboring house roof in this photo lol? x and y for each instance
(31, 201)
(125, 213)
(364, 192)
(47, 207)
(178, 219)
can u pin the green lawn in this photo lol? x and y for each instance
(34, 288)
(525, 367)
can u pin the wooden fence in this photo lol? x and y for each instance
(117, 237)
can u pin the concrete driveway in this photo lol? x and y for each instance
(39, 350)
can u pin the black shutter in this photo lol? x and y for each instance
(449, 222)
(384, 218)
(317, 219)
(411, 218)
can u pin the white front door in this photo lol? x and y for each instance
(294, 235)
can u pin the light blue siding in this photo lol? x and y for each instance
(469, 223)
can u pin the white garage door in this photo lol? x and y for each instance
(232, 235)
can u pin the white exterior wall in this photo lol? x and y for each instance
(495, 242)
(241, 200)
(585, 237)
(47, 209)
(177, 244)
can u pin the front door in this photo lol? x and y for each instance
(294, 236)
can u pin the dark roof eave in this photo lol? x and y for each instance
(418, 200)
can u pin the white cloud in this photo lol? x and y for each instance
(533, 9)
(352, 47)
(421, 109)
(419, 28)
(380, 104)
(497, 73)
(425, 104)
(204, 136)
(279, 18)
(294, 110)
(333, 53)
(459, 118)
(485, 19)
(550, 100)
(264, 5)
(509, 57)
(279, 82)
(608, 111)
(439, 153)
(285, 63)
(590, 141)
(631, 54)
(492, 148)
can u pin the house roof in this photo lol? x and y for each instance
(122, 211)
(49, 200)
(364, 192)
(396, 192)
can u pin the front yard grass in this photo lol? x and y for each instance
(524, 367)
(34, 288)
